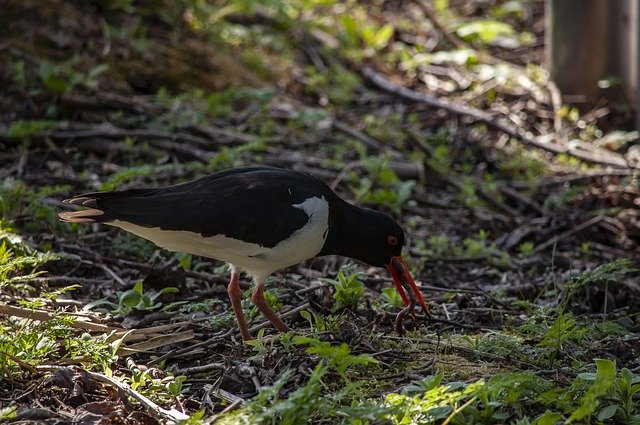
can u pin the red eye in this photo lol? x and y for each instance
(392, 240)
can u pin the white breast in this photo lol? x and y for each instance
(256, 260)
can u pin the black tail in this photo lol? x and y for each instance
(84, 216)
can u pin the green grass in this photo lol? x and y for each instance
(527, 360)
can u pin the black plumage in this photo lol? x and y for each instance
(259, 219)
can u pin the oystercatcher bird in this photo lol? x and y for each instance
(259, 220)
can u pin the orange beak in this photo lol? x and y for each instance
(402, 279)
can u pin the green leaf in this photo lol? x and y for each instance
(145, 302)
(587, 376)
(138, 287)
(55, 84)
(608, 412)
(484, 30)
(306, 316)
(605, 378)
(351, 29)
(606, 371)
(130, 298)
(382, 36)
(28, 128)
(548, 418)
(184, 260)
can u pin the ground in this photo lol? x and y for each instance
(520, 214)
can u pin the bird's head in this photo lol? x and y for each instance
(387, 242)
(376, 239)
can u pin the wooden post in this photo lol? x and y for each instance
(590, 41)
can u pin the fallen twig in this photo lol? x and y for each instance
(172, 415)
(200, 369)
(598, 156)
(183, 351)
(552, 241)
(282, 316)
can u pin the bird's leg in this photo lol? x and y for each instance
(235, 295)
(258, 299)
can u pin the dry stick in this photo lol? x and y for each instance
(355, 133)
(43, 316)
(194, 347)
(224, 395)
(554, 93)
(431, 15)
(172, 415)
(514, 194)
(115, 132)
(283, 316)
(200, 369)
(81, 322)
(113, 274)
(308, 289)
(157, 342)
(569, 232)
(379, 80)
(557, 181)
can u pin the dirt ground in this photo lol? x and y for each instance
(502, 228)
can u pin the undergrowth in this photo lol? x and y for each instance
(543, 358)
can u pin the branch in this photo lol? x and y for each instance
(578, 150)
(172, 415)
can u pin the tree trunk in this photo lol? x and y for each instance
(590, 43)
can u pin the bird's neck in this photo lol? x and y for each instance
(346, 236)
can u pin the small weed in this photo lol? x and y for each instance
(258, 344)
(384, 188)
(184, 260)
(224, 103)
(268, 408)
(484, 31)
(526, 249)
(316, 323)
(557, 201)
(425, 384)
(616, 388)
(128, 245)
(33, 342)
(564, 329)
(369, 36)
(339, 357)
(523, 165)
(17, 199)
(387, 129)
(497, 343)
(585, 248)
(64, 77)
(348, 290)
(137, 299)
(481, 247)
(24, 129)
(441, 402)
(439, 245)
(603, 274)
(18, 261)
(8, 413)
(337, 86)
(391, 298)
(601, 382)
(468, 195)
(159, 389)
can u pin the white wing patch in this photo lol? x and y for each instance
(258, 261)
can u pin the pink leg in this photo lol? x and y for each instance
(258, 299)
(235, 295)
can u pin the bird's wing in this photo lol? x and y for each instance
(255, 205)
